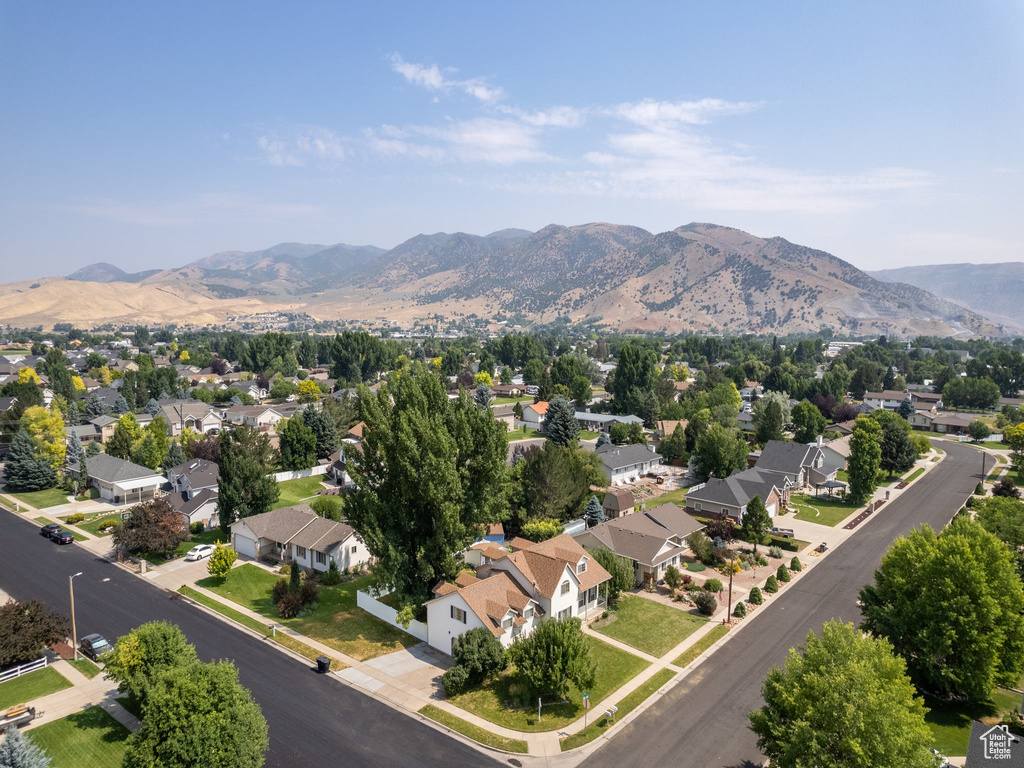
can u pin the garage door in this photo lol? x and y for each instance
(771, 509)
(244, 546)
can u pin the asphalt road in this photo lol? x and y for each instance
(313, 719)
(702, 722)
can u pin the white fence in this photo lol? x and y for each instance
(295, 474)
(388, 614)
(24, 669)
(991, 438)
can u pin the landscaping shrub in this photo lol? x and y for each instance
(333, 575)
(1005, 487)
(772, 585)
(775, 551)
(279, 590)
(221, 561)
(197, 527)
(687, 579)
(762, 560)
(970, 502)
(796, 565)
(701, 547)
(75, 518)
(455, 680)
(713, 585)
(480, 654)
(783, 573)
(106, 525)
(979, 490)
(755, 597)
(723, 529)
(290, 604)
(705, 603)
(740, 611)
(673, 578)
(309, 592)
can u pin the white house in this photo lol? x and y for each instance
(889, 399)
(514, 588)
(194, 414)
(120, 481)
(535, 415)
(261, 417)
(299, 535)
(200, 507)
(627, 463)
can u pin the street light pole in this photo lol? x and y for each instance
(74, 630)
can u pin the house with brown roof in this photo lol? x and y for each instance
(535, 415)
(513, 588)
(618, 502)
(299, 535)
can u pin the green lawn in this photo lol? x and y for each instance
(701, 645)
(78, 535)
(523, 434)
(51, 497)
(490, 700)
(26, 688)
(298, 491)
(843, 476)
(993, 445)
(92, 521)
(475, 732)
(649, 626)
(914, 475)
(586, 434)
(85, 666)
(337, 621)
(677, 497)
(512, 400)
(600, 724)
(823, 511)
(211, 536)
(87, 739)
(950, 721)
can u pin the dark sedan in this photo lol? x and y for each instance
(63, 537)
(49, 530)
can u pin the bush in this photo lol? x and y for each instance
(541, 530)
(705, 603)
(755, 597)
(774, 551)
(713, 585)
(762, 560)
(673, 578)
(687, 579)
(455, 680)
(75, 518)
(796, 565)
(1005, 487)
(279, 590)
(740, 611)
(309, 592)
(979, 490)
(333, 576)
(327, 506)
(197, 527)
(701, 547)
(221, 561)
(772, 585)
(290, 604)
(480, 654)
(107, 524)
(783, 573)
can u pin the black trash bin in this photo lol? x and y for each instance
(323, 665)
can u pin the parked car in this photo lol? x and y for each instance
(94, 646)
(49, 530)
(786, 533)
(63, 537)
(200, 551)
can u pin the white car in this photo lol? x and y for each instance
(200, 551)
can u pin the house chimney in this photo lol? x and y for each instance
(821, 440)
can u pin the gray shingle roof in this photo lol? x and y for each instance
(200, 472)
(298, 525)
(642, 536)
(780, 456)
(113, 470)
(737, 489)
(618, 456)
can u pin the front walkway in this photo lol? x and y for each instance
(82, 694)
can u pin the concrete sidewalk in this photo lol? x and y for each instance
(83, 694)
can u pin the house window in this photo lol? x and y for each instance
(321, 558)
(528, 613)
(566, 613)
(352, 549)
(458, 614)
(581, 567)
(506, 624)
(696, 506)
(565, 588)
(300, 552)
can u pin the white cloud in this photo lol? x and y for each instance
(483, 139)
(649, 112)
(433, 79)
(300, 146)
(207, 207)
(558, 117)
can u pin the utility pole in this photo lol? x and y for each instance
(74, 630)
(732, 571)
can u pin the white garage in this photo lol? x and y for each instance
(243, 545)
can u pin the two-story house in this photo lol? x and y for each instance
(889, 399)
(800, 464)
(627, 463)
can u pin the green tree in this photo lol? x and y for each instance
(580, 391)
(627, 434)
(480, 654)
(756, 522)
(221, 560)
(898, 451)
(623, 574)
(554, 656)
(199, 715)
(809, 717)
(1013, 436)
(720, 452)
(632, 384)
(808, 421)
(297, 444)
(442, 462)
(1003, 516)
(151, 450)
(23, 471)
(594, 513)
(768, 422)
(673, 446)
(126, 434)
(952, 605)
(696, 427)
(142, 655)
(16, 751)
(328, 507)
(60, 377)
(541, 529)
(978, 430)
(555, 481)
(175, 455)
(153, 526)
(26, 628)
(562, 428)
(245, 488)
(865, 460)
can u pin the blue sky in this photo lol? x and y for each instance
(152, 134)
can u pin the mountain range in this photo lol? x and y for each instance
(698, 277)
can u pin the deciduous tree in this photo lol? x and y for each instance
(152, 527)
(26, 628)
(808, 421)
(142, 655)
(756, 522)
(865, 460)
(554, 656)
(298, 444)
(720, 452)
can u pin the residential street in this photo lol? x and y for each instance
(703, 721)
(312, 718)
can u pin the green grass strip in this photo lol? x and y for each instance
(85, 666)
(248, 621)
(475, 732)
(701, 645)
(914, 475)
(627, 705)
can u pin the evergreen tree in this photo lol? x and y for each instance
(23, 471)
(562, 428)
(245, 488)
(121, 405)
(603, 439)
(482, 395)
(324, 430)
(126, 434)
(769, 422)
(75, 460)
(298, 444)
(95, 407)
(906, 408)
(153, 407)
(594, 513)
(756, 522)
(865, 460)
(175, 455)
(16, 751)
